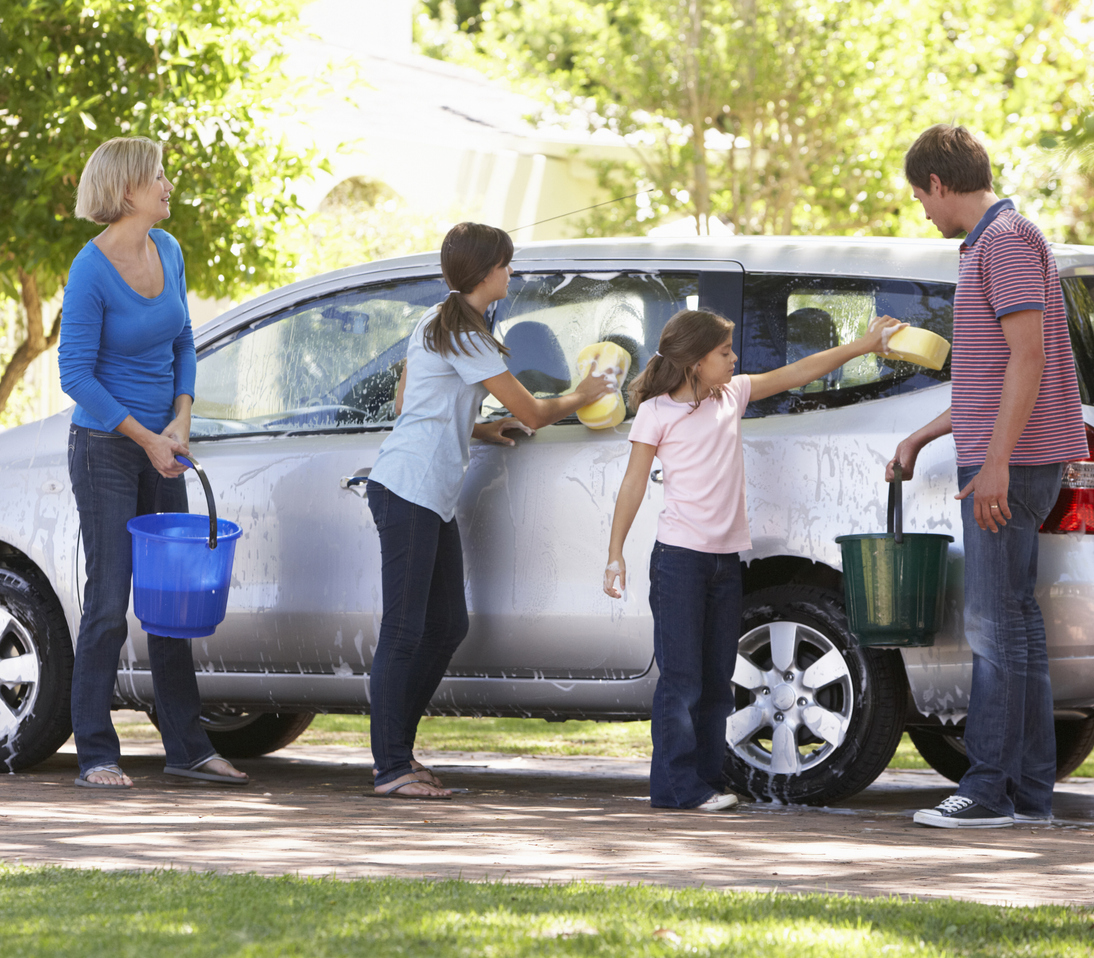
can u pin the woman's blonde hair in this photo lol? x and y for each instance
(469, 253)
(122, 164)
(687, 337)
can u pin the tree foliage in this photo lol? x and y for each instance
(793, 115)
(203, 77)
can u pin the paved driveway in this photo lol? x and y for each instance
(310, 811)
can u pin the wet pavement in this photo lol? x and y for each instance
(310, 811)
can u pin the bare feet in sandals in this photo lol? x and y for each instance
(422, 773)
(411, 786)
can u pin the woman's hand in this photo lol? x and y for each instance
(162, 450)
(616, 569)
(495, 431)
(593, 387)
(179, 430)
(878, 333)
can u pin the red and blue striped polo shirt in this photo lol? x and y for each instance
(1007, 266)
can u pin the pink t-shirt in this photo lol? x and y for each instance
(703, 467)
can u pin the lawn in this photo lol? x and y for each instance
(62, 913)
(520, 736)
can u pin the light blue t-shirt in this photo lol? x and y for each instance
(121, 353)
(425, 458)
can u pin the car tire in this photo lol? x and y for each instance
(946, 753)
(817, 718)
(238, 734)
(35, 670)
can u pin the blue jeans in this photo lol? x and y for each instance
(1009, 733)
(421, 558)
(113, 481)
(696, 603)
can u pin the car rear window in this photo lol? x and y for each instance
(789, 316)
(1079, 300)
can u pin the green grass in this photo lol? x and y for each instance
(523, 737)
(54, 912)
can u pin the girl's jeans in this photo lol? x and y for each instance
(113, 481)
(1009, 734)
(424, 621)
(696, 603)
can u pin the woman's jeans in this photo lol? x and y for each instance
(424, 621)
(696, 603)
(113, 481)
(1009, 733)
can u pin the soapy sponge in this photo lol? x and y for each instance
(611, 361)
(919, 346)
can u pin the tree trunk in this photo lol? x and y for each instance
(35, 342)
(697, 111)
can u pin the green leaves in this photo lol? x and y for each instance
(198, 76)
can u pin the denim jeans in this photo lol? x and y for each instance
(113, 481)
(1009, 733)
(424, 621)
(696, 603)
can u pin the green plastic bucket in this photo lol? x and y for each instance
(894, 583)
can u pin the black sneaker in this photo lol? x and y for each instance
(957, 811)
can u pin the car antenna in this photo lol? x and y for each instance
(573, 212)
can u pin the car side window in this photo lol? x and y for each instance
(1079, 301)
(548, 318)
(330, 363)
(788, 317)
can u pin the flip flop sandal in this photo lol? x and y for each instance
(393, 791)
(419, 769)
(205, 776)
(82, 780)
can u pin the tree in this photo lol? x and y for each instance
(790, 115)
(203, 77)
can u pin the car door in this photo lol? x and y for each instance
(286, 406)
(536, 519)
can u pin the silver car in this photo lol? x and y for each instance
(295, 395)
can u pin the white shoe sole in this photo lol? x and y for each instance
(932, 818)
(719, 803)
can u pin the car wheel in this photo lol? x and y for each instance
(946, 753)
(239, 734)
(817, 718)
(35, 671)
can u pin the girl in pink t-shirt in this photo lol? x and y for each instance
(689, 408)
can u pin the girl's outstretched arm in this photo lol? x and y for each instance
(536, 413)
(874, 340)
(626, 508)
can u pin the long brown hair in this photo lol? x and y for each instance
(468, 254)
(686, 339)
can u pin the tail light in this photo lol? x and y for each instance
(1074, 509)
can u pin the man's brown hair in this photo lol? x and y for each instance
(951, 153)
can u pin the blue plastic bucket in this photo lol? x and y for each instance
(182, 566)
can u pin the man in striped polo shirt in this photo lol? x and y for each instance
(1016, 418)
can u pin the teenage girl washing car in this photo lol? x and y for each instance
(689, 408)
(453, 362)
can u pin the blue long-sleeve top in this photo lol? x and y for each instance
(123, 354)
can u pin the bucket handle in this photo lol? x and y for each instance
(896, 505)
(208, 497)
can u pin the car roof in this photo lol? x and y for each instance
(925, 260)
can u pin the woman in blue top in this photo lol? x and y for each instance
(453, 362)
(127, 359)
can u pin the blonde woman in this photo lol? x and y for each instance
(127, 360)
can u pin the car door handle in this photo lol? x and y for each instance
(657, 476)
(355, 483)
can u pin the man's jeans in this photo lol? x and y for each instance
(696, 603)
(421, 559)
(113, 481)
(1009, 734)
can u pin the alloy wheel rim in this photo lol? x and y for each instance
(20, 672)
(794, 697)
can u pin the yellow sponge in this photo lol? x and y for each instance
(611, 361)
(919, 346)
